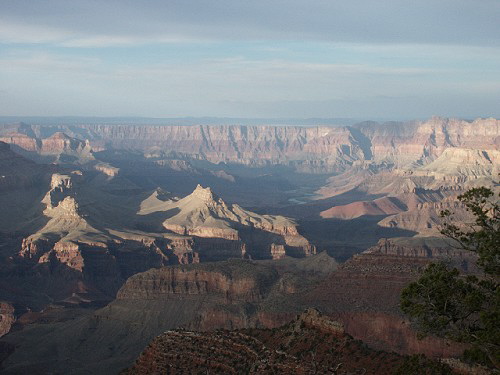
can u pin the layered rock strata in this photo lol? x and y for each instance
(204, 215)
(317, 149)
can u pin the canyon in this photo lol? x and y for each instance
(112, 234)
(310, 149)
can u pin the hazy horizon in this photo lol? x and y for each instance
(203, 120)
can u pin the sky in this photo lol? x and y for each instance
(364, 59)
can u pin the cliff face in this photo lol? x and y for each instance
(59, 147)
(316, 149)
(77, 244)
(247, 145)
(364, 293)
(65, 224)
(229, 283)
(403, 143)
(232, 294)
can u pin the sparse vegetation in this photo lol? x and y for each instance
(446, 303)
(290, 349)
(420, 365)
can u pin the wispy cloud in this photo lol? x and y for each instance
(250, 58)
(83, 23)
(21, 32)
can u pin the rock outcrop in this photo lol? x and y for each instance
(66, 227)
(7, 317)
(310, 344)
(231, 282)
(406, 143)
(59, 147)
(77, 244)
(241, 233)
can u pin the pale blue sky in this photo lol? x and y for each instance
(358, 58)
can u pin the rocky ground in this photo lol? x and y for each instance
(309, 344)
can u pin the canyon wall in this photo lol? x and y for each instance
(322, 148)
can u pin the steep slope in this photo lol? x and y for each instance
(364, 293)
(414, 197)
(89, 235)
(231, 294)
(17, 172)
(59, 147)
(249, 145)
(420, 142)
(204, 215)
(158, 201)
(204, 209)
(66, 227)
(73, 256)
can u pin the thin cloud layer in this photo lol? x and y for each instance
(103, 23)
(250, 58)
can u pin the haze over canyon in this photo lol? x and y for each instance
(112, 234)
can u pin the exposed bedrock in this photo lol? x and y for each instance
(228, 284)
(7, 317)
(309, 149)
(364, 293)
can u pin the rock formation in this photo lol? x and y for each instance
(232, 294)
(204, 215)
(59, 147)
(319, 149)
(310, 344)
(65, 228)
(98, 222)
(7, 317)
(364, 293)
(85, 242)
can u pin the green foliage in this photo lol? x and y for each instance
(420, 365)
(483, 235)
(464, 308)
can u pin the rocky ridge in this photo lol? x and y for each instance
(315, 149)
(362, 294)
(309, 344)
(203, 214)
